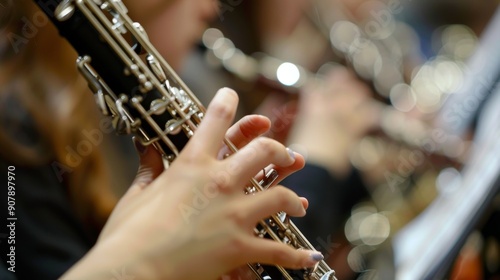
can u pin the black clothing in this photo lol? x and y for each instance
(330, 202)
(49, 238)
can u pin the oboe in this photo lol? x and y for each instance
(143, 95)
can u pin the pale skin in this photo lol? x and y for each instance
(149, 237)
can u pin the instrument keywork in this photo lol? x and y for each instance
(138, 89)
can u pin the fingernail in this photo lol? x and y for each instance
(314, 258)
(291, 153)
(317, 256)
(139, 147)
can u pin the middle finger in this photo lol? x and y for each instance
(255, 156)
(244, 131)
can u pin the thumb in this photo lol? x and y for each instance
(150, 165)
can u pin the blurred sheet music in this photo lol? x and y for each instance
(429, 243)
(482, 72)
(427, 246)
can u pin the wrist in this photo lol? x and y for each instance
(113, 258)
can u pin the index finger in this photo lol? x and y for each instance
(209, 136)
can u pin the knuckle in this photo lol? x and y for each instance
(223, 182)
(224, 106)
(282, 256)
(266, 146)
(246, 127)
(223, 187)
(223, 111)
(284, 197)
